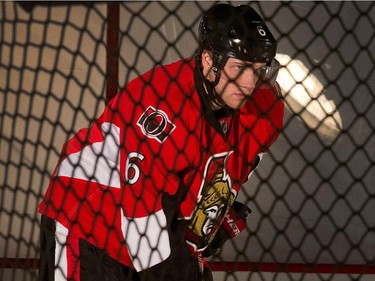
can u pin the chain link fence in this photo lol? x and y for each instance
(313, 196)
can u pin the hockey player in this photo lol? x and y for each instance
(150, 188)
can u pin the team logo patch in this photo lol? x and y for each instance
(155, 124)
(224, 126)
(215, 199)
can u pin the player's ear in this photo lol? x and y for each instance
(206, 62)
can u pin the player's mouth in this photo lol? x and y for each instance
(240, 96)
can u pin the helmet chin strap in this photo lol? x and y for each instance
(213, 96)
(219, 60)
(218, 63)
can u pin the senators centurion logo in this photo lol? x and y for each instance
(215, 199)
(155, 124)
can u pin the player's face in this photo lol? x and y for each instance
(237, 82)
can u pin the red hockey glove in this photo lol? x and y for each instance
(234, 223)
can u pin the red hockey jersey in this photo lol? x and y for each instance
(153, 137)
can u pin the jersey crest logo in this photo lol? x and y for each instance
(155, 124)
(214, 201)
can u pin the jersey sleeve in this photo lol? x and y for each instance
(157, 145)
(110, 179)
(267, 107)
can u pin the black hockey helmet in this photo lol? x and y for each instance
(237, 32)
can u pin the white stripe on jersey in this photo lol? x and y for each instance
(147, 239)
(98, 162)
(61, 260)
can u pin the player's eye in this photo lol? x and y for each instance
(239, 67)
